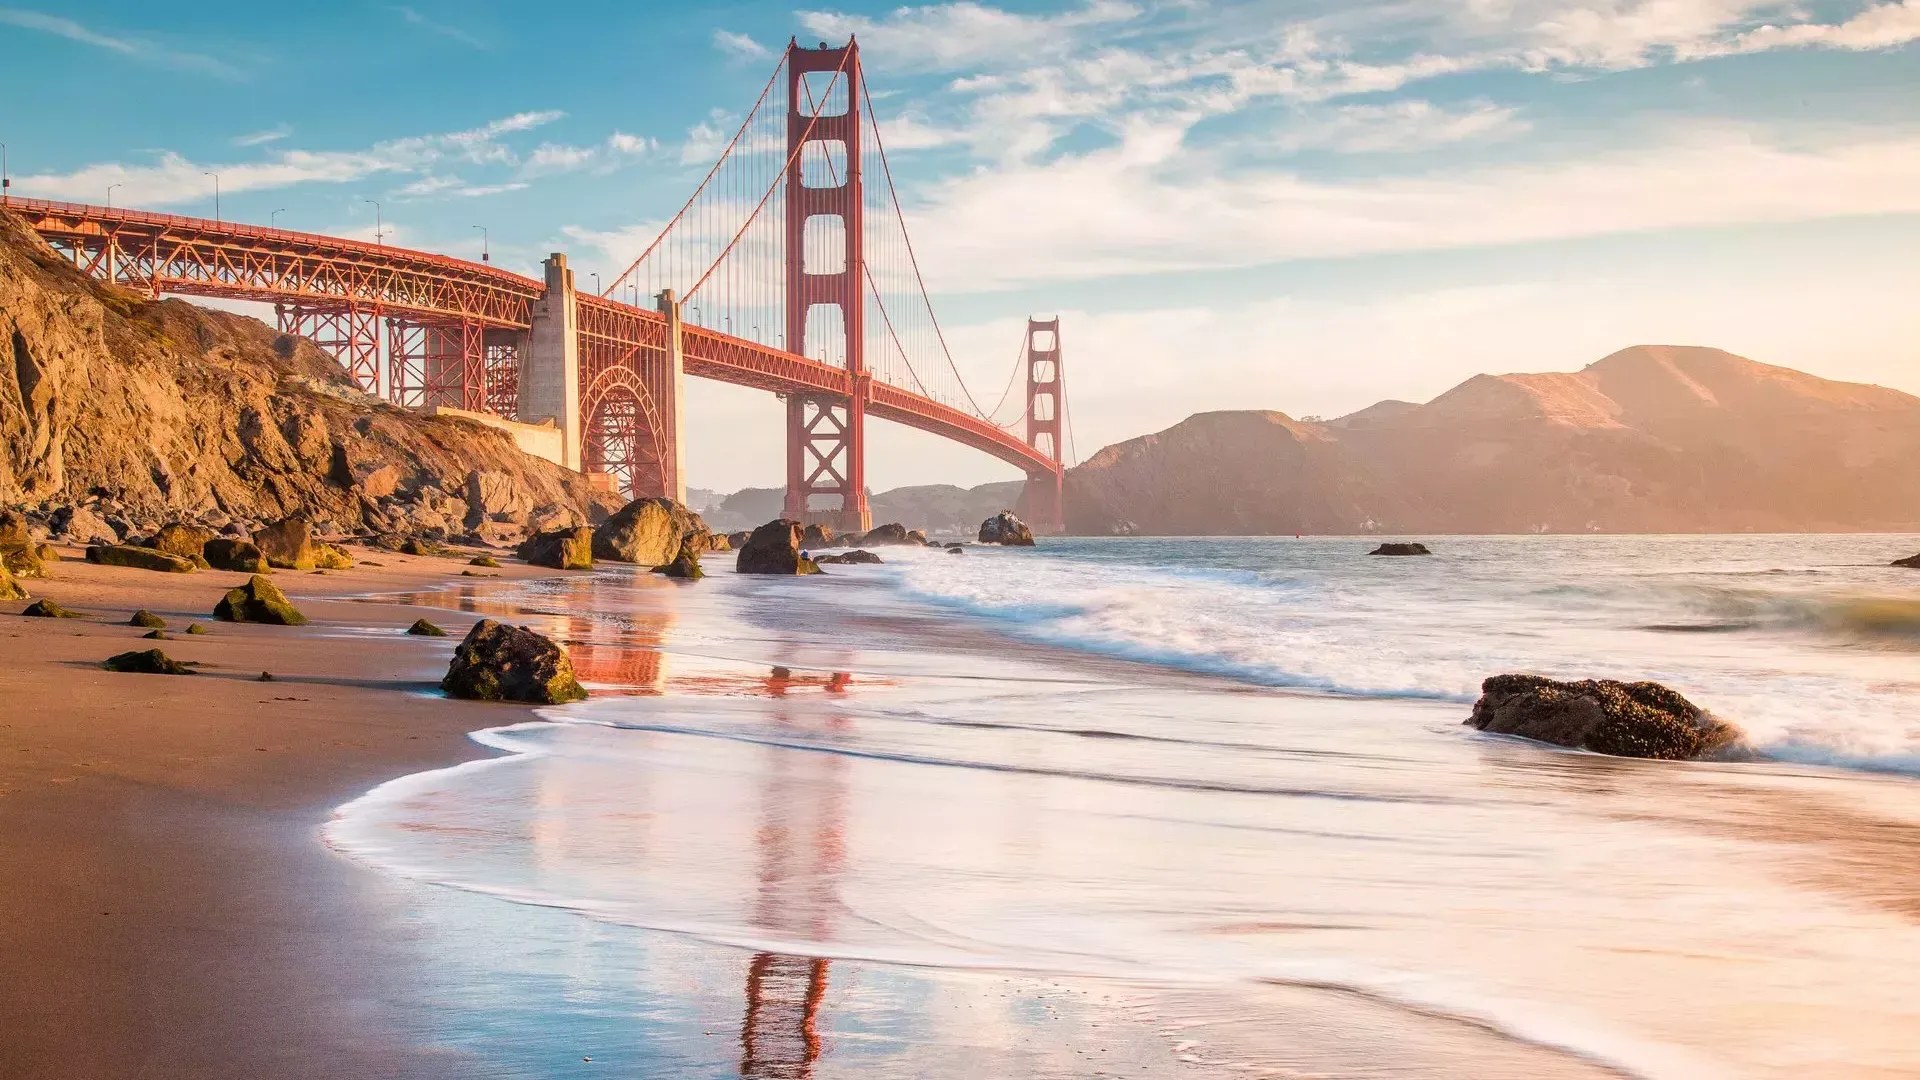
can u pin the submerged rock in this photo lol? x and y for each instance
(686, 567)
(423, 628)
(562, 549)
(1004, 528)
(855, 557)
(259, 600)
(774, 548)
(1911, 562)
(47, 609)
(240, 556)
(1400, 549)
(1641, 719)
(140, 558)
(497, 662)
(147, 662)
(148, 619)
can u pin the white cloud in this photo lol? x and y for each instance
(740, 46)
(1149, 206)
(261, 138)
(1400, 127)
(957, 35)
(117, 43)
(176, 179)
(1882, 26)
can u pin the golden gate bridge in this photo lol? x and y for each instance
(788, 269)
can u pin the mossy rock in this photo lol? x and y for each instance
(47, 609)
(487, 561)
(260, 601)
(329, 557)
(196, 628)
(139, 558)
(27, 560)
(423, 628)
(240, 556)
(9, 588)
(497, 662)
(185, 541)
(148, 619)
(685, 566)
(147, 662)
(155, 635)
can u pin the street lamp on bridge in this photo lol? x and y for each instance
(216, 195)
(110, 188)
(5, 180)
(485, 244)
(379, 235)
(273, 219)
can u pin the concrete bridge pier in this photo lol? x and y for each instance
(550, 367)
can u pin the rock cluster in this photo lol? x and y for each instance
(1004, 528)
(774, 548)
(498, 662)
(1641, 719)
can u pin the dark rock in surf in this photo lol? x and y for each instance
(147, 662)
(562, 549)
(1400, 549)
(855, 557)
(1911, 562)
(497, 662)
(1640, 719)
(685, 566)
(47, 609)
(774, 548)
(890, 533)
(1004, 528)
(819, 536)
(423, 628)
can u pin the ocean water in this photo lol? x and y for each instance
(1190, 807)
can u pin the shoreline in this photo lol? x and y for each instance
(170, 909)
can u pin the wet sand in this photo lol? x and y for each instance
(167, 910)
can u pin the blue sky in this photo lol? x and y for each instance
(1304, 205)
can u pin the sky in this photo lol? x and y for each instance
(1301, 205)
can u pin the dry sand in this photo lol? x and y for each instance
(166, 909)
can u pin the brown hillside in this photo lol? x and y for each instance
(1649, 439)
(150, 411)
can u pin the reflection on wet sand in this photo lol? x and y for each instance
(801, 846)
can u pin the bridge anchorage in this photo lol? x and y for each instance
(789, 269)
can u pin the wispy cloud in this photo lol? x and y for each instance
(175, 178)
(261, 138)
(740, 46)
(125, 45)
(955, 35)
(432, 26)
(1401, 127)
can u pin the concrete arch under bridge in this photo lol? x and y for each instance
(593, 383)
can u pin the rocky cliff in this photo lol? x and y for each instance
(149, 411)
(1649, 439)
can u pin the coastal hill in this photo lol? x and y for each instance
(146, 411)
(1654, 438)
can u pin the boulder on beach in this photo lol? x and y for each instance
(288, 544)
(719, 542)
(1640, 719)
(685, 566)
(857, 556)
(1004, 528)
(1911, 562)
(140, 558)
(9, 588)
(239, 556)
(28, 560)
(737, 540)
(818, 536)
(185, 541)
(1400, 549)
(147, 619)
(498, 662)
(47, 609)
(917, 536)
(14, 530)
(561, 549)
(649, 532)
(260, 601)
(423, 628)
(329, 557)
(774, 548)
(487, 561)
(147, 662)
(890, 533)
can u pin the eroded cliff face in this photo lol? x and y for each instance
(163, 410)
(1649, 439)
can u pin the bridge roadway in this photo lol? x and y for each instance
(166, 253)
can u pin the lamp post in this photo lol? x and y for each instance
(5, 180)
(273, 219)
(485, 244)
(216, 195)
(596, 284)
(379, 234)
(110, 188)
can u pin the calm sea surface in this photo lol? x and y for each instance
(1142, 807)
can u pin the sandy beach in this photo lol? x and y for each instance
(168, 910)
